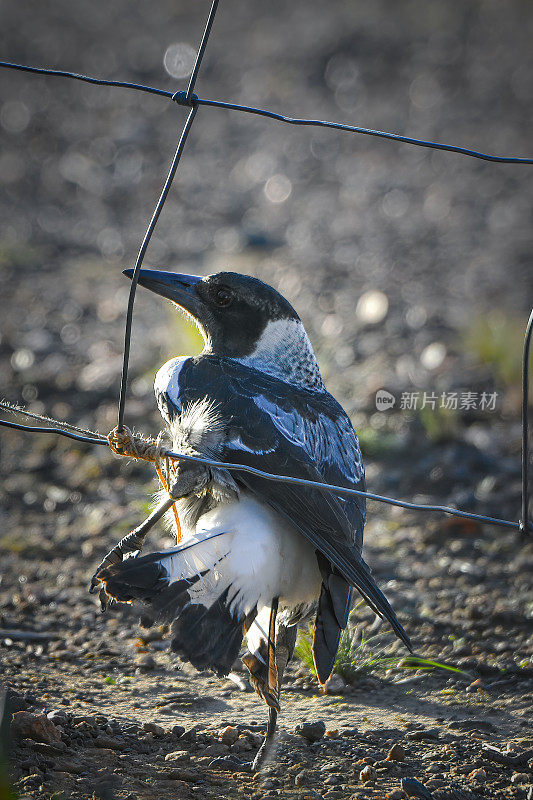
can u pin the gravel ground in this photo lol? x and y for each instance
(411, 270)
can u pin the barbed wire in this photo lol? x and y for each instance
(184, 99)
(269, 476)
(189, 99)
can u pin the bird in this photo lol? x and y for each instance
(256, 557)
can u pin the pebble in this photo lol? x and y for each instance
(301, 778)
(178, 755)
(396, 753)
(146, 663)
(427, 735)
(229, 763)
(228, 735)
(367, 774)
(109, 742)
(520, 777)
(333, 780)
(59, 717)
(334, 685)
(479, 775)
(396, 794)
(215, 749)
(25, 725)
(414, 788)
(186, 775)
(312, 731)
(153, 727)
(178, 731)
(475, 686)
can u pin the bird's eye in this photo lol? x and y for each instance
(223, 297)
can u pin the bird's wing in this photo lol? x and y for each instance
(280, 429)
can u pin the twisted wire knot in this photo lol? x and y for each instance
(125, 443)
(184, 99)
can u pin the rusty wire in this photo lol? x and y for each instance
(189, 99)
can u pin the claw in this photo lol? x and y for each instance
(105, 600)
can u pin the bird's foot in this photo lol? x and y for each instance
(262, 755)
(268, 742)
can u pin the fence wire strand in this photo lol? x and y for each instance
(189, 99)
(186, 98)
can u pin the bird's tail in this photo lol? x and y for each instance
(196, 587)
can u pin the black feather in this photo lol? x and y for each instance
(327, 636)
(210, 638)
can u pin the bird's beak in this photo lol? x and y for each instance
(181, 289)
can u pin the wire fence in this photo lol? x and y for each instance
(189, 99)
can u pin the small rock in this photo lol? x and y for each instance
(396, 794)
(109, 743)
(396, 753)
(178, 755)
(333, 780)
(435, 783)
(475, 686)
(332, 734)
(16, 701)
(478, 775)
(59, 717)
(367, 774)
(312, 731)
(52, 749)
(414, 788)
(153, 727)
(228, 735)
(186, 775)
(473, 725)
(229, 763)
(216, 749)
(427, 735)
(301, 778)
(178, 731)
(38, 727)
(334, 685)
(520, 777)
(146, 663)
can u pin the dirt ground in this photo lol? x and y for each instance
(411, 271)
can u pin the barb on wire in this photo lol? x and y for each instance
(157, 211)
(187, 97)
(228, 465)
(13, 408)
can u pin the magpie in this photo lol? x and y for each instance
(255, 557)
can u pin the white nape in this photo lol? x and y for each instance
(285, 352)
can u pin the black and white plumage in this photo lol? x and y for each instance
(255, 397)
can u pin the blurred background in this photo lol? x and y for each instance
(411, 269)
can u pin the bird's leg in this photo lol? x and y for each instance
(279, 651)
(130, 543)
(285, 642)
(191, 478)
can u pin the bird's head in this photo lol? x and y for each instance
(242, 318)
(231, 310)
